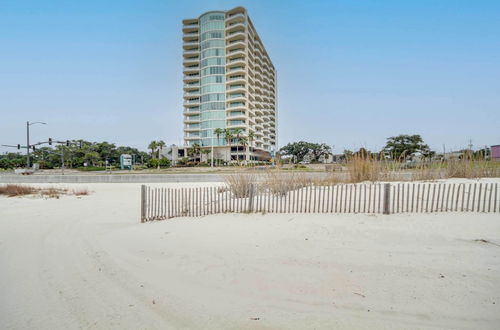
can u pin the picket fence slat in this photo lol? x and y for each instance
(158, 203)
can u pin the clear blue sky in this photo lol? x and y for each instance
(350, 73)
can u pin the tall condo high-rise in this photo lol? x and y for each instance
(230, 85)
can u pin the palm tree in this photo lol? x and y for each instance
(196, 150)
(244, 142)
(153, 145)
(160, 145)
(237, 132)
(218, 132)
(251, 136)
(228, 135)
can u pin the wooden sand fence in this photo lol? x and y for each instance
(384, 198)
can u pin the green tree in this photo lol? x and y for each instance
(160, 145)
(237, 134)
(406, 146)
(194, 151)
(153, 145)
(218, 132)
(299, 150)
(228, 136)
(251, 137)
(243, 141)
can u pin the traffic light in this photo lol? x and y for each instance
(67, 143)
(34, 148)
(50, 141)
(18, 146)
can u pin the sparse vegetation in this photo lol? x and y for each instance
(360, 169)
(15, 190)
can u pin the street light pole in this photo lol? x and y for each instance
(27, 144)
(28, 124)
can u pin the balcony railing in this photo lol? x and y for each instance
(193, 101)
(236, 86)
(236, 78)
(235, 96)
(236, 104)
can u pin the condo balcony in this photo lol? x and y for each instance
(236, 79)
(236, 115)
(236, 70)
(192, 111)
(191, 86)
(234, 53)
(235, 44)
(191, 77)
(236, 88)
(191, 36)
(258, 112)
(191, 60)
(235, 124)
(236, 105)
(190, 28)
(191, 127)
(259, 119)
(235, 19)
(191, 119)
(236, 97)
(191, 94)
(239, 26)
(191, 69)
(236, 61)
(234, 35)
(188, 45)
(191, 53)
(191, 102)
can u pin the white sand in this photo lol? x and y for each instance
(87, 263)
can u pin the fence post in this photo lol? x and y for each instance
(387, 197)
(143, 204)
(250, 198)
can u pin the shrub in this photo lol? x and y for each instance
(164, 163)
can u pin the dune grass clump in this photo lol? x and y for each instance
(364, 168)
(240, 184)
(471, 169)
(281, 183)
(15, 190)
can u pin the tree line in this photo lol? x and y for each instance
(399, 148)
(78, 153)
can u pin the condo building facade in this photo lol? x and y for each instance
(229, 86)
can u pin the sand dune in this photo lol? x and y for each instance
(87, 263)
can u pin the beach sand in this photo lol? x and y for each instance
(87, 262)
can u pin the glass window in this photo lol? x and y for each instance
(213, 106)
(213, 61)
(212, 70)
(212, 43)
(212, 80)
(213, 124)
(212, 35)
(210, 115)
(212, 88)
(213, 97)
(212, 52)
